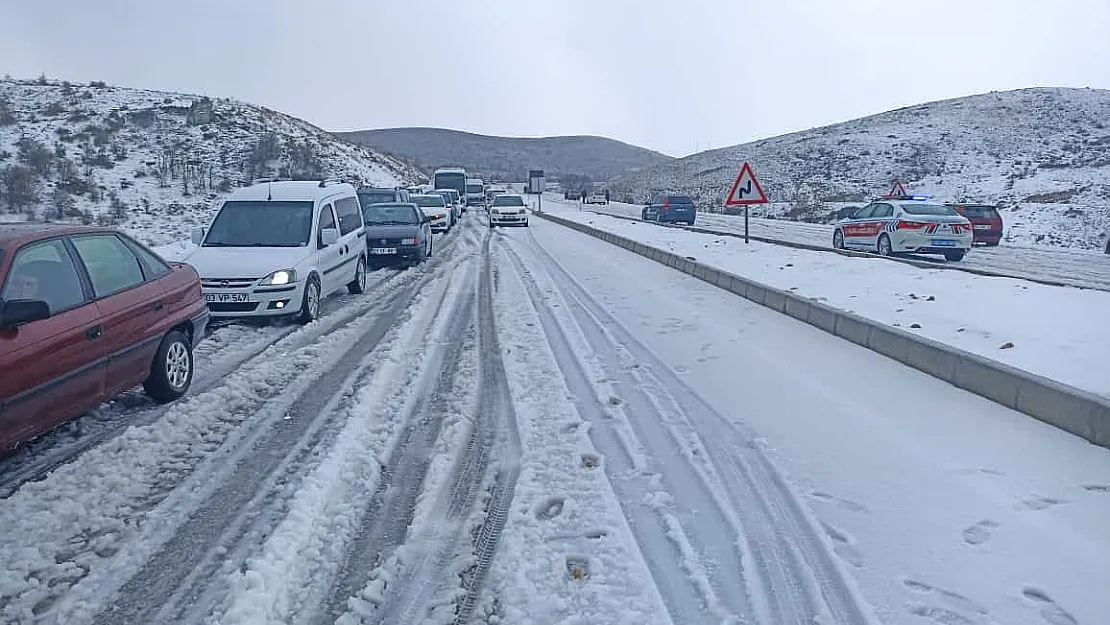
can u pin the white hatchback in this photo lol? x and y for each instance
(436, 209)
(278, 248)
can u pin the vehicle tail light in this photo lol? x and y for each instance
(911, 225)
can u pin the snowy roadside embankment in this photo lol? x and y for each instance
(566, 554)
(1057, 332)
(175, 251)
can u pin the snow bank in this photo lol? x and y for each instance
(175, 251)
(1057, 332)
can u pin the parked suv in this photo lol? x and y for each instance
(670, 208)
(279, 248)
(86, 313)
(986, 222)
(381, 195)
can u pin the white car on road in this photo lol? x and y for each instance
(434, 206)
(508, 209)
(597, 197)
(905, 225)
(277, 249)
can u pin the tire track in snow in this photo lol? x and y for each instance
(708, 532)
(249, 503)
(60, 446)
(136, 524)
(391, 507)
(792, 573)
(498, 402)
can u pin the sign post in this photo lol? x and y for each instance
(745, 192)
(536, 184)
(898, 190)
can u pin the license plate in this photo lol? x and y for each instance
(382, 251)
(943, 243)
(982, 227)
(222, 298)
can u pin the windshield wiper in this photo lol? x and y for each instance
(392, 223)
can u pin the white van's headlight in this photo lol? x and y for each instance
(280, 277)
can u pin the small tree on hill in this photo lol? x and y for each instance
(61, 202)
(20, 187)
(7, 117)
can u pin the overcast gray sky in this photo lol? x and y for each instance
(673, 76)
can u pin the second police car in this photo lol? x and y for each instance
(905, 225)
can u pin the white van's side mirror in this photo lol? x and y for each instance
(197, 235)
(329, 236)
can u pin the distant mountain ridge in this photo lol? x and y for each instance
(598, 158)
(1042, 155)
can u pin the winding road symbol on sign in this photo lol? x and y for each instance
(742, 190)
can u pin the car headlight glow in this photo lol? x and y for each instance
(280, 277)
(410, 241)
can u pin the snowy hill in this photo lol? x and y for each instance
(509, 158)
(154, 163)
(1041, 155)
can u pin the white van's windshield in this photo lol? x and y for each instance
(260, 223)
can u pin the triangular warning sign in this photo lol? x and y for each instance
(746, 189)
(898, 190)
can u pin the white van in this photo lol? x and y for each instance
(278, 248)
(475, 192)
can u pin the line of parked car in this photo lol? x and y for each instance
(87, 312)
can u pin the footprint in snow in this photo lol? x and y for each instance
(1096, 488)
(550, 508)
(946, 607)
(843, 545)
(843, 503)
(980, 471)
(591, 461)
(980, 532)
(578, 567)
(1041, 503)
(1051, 612)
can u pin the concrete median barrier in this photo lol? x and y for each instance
(1068, 408)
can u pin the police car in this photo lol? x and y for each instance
(905, 225)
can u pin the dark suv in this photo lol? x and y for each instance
(670, 208)
(377, 195)
(986, 222)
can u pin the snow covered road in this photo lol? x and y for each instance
(539, 428)
(728, 431)
(1088, 269)
(1052, 331)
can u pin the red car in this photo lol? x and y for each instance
(86, 313)
(986, 222)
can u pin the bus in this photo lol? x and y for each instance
(450, 178)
